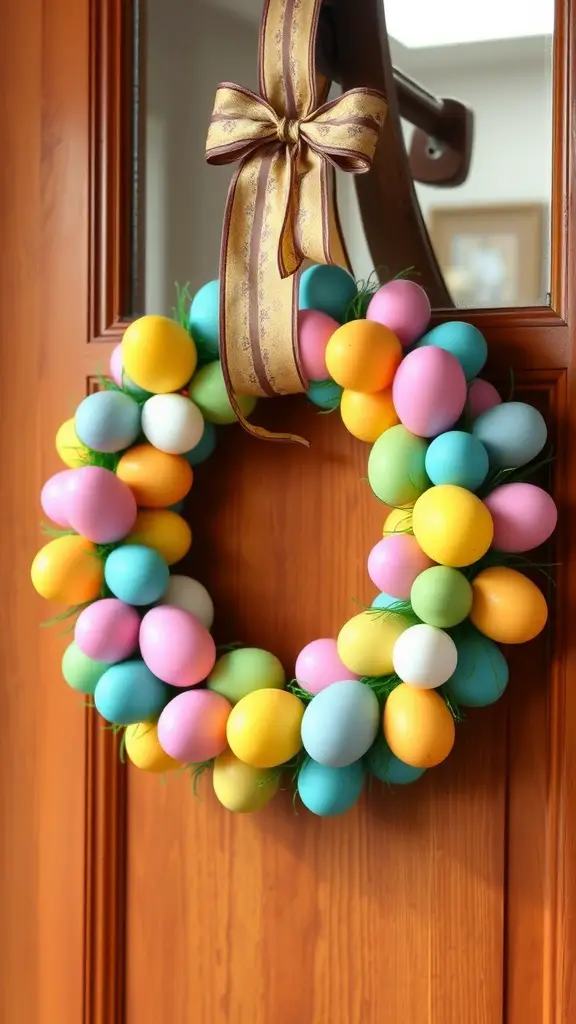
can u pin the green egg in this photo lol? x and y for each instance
(81, 672)
(240, 672)
(441, 596)
(396, 467)
(208, 392)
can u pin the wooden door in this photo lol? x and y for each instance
(128, 902)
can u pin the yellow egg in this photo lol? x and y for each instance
(69, 447)
(263, 728)
(367, 416)
(158, 354)
(399, 520)
(155, 478)
(418, 726)
(241, 787)
(366, 642)
(68, 570)
(507, 606)
(144, 750)
(452, 525)
(363, 355)
(164, 531)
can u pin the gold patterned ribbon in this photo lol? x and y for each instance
(280, 208)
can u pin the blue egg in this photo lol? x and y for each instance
(129, 692)
(203, 320)
(512, 433)
(136, 574)
(384, 601)
(108, 421)
(457, 458)
(382, 763)
(464, 341)
(325, 394)
(327, 289)
(205, 447)
(328, 791)
(340, 723)
(481, 674)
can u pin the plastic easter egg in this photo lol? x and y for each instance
(107, 630)
(203, 320)
(192, 596)
(53, 498)
(395, 562)
(325, 394)
(384, 765)
(81, 672)
(481, 396)
(457, 458)
(164, 531)
(205, 447)
(192, 726)
(107, 421)
(384, 602)
(418, 726)
(524, 516)
(452, 525)
(155, 478)
(69, 446)
(481, 675)
(241, 671)
(507, 606)
(404, 307)
(241, 788)
(176, 646)
(328, 289)
(172, 423)
(158, 354)
(208, 392)
(128, 693)
(136, 574)
(366, 642)
(144, 751)
(99, 505)
(318, 665)
(67, 570)
(396, 467)
(441, 596)
(461, 340)
(513, 434)
(424, 656)
(399, 520)
(340, 723)
(116, 368)
(429, 391)
(367, 416)
(327, 791)
(314, 331)
(363, 356)
(263, 729)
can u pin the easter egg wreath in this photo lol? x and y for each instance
(447, 456)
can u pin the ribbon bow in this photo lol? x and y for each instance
(280, 208)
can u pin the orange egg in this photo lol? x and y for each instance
(507, 606)
(367, 416)
(68, 570)
(363, 356)
(155, 478)
(399, 520)
(418, 726)
(164, 530)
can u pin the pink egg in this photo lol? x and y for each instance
(404, 307)
(524, 516)
(429, 391)
(99, 505)
(482, 395)
(116, 368)
(107, 630)
(314, 332)
(53, 497)
(318, 666)
(176, 646)
(395, 562)
(192, 726)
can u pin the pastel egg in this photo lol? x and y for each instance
(404, 307)
(507, 606)
(53, 498)
(69, 446)
(172, 423)
(481, 396)
(395, 562)
(452, 525)
(208, 392)
(461, 340)
(144, 751)
(241, 788)
(429, 391)
(121, 378)
(81, 672)
(67, 570)
(328, 289)
(481, 675)
(524, 516)
(513, 434)
(457, 458)
(424, 656)
(107, 630)
(203, 320)
(328, 791)
(325, 394)
(385, 766)
(396, 467)
(241, 671)
(418, 726)
(192, 726)
(107, 421)
(128, 692)
(192, 596)
(367, 416)
(318, 665)
(366, 642)
(263, 729)
(136, 574)
(399, 520)
(314, 331)
(163, 530)
(363, 356)
(340, 723)
(441, 596)
(158, 354)
(205, 447)
(176, 646)
(155, 478)
(99, 505)
(384, 602)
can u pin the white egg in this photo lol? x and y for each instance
(192, 596)
(424, 656)
(172, 423)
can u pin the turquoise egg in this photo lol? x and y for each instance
(329, 791)
(340, 723)
(136, 574)
(203, 320)
(382, 763)
(481, 674)
(385, 601)
(325, 394)
(464, 341)
(397, 467)
(457, 458)
(512, 433)
(327, 289)
(108, 421)
(205, 447)
(129, 692)
(81, 672)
